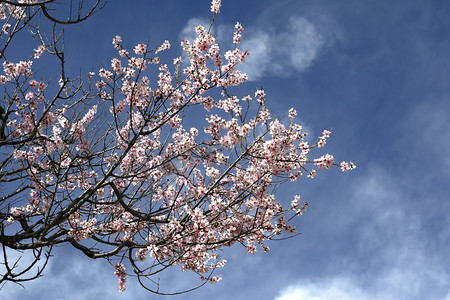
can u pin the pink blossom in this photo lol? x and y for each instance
(116, 65)
(347, 166)
(237, 38)
(212, 172)
(33, 83)
(177, 61)
(9, 69)
(261, 95)
(16, 211)
(215, 6)
(326, 133)
(140, 49)
(312, 174)
(295, 202)
(83, 145)
(164, 46)
(292, 113)
(215, 279)
(105, 74)
(24, 67)
(239, 27)
(138, 63)
(116, 41)
(325, 161)
(5, 28)
(123, 53)
(41, 87)
(141, 254)
(251, 249)
(2, 13)
(120, 272)
(66, 162)
(38, 52)
(29, 96)
(100, 84)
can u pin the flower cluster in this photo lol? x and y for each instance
(120, 272)
(237, 38)
(122, 168)
(38, 52)
(215, 6)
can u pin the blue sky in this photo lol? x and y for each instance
(378, 73)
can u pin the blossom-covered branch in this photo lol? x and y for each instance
(145, 171)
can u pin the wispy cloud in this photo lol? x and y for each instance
(273, 52)
(427, 124)
(391, 252)
(282, 52)
(71, 275)
(68, 275)
(336, 289)
(188, 30)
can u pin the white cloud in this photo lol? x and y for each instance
(273, 52)
(64, 275)
(303, 43)
(258, 64)
(71, 273)
(336, 289)
(282, 52)
(189, 32)
(392, 252)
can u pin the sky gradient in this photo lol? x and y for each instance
(378, 73)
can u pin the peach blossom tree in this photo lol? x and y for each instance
(148, 164)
